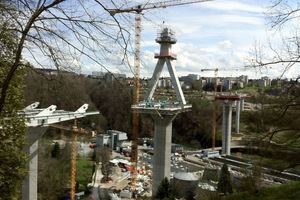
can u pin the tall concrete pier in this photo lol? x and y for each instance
(29, 186)
(163, 112)
(226, 127)
(227, 120)
(162, 148)
(239, 107)
(237, 116)
(37, 121)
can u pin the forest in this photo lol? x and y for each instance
(114, 99)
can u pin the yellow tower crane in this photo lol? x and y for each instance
(75, 131)
(138, 29)
(214, 113)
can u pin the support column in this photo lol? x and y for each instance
(242, 104)
(162, 149)
(226, 127)
(29, 186)
(237, 116)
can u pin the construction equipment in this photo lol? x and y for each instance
(138, 28)
(75, 131)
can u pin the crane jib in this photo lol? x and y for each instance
(163, 4)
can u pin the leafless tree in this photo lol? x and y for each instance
(65, 34)
(283, 23)
(277, 127)
(106, 167)
(53, 173)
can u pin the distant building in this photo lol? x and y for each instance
(162, 83)
(227, 83)
(194, 77)
(112, 76)
(264, 81)
(190, 78)
(202, 82)
(111, 139)
(149, 142)
(98, 74)
(276, 82)
(55, 71)
(108, 76)
(176, 148)
(240, 84)
(244, 79)
(212, 80)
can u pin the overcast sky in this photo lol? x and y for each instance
(215, 34)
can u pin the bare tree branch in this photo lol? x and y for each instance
(63, 31)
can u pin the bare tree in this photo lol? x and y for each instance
(64, 34)
(106, 167)
(283, 23)
(53, 175)
(57, 34)
(275, 123)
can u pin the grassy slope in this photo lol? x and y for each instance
(84, 171)
(283, 192)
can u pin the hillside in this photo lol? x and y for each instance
(283, 192)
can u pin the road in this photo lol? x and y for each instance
(96, 183)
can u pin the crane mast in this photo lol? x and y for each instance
(138, 29)
(73, 160)
(136, 96)
(214, 113)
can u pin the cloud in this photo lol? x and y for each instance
(214, 34)
(233, 5)
(225, 44)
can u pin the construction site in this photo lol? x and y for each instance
(140, 167)
(192, 173)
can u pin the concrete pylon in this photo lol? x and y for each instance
(29, 186)
(237, 116)
(242, 104)
(164, 112)
(162, 149)
(226, 127)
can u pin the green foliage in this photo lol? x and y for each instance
(84, 172)
(164, 190)
(114, 99)
(53, 173)
(194, 125)
(12, 128)
(252, 183)
(274, 127)
(105, 156)
(12, 157)
(94, 155)
(67, 92)
(282, 192)
(55, 153)
(208, 87)
(225, 183)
